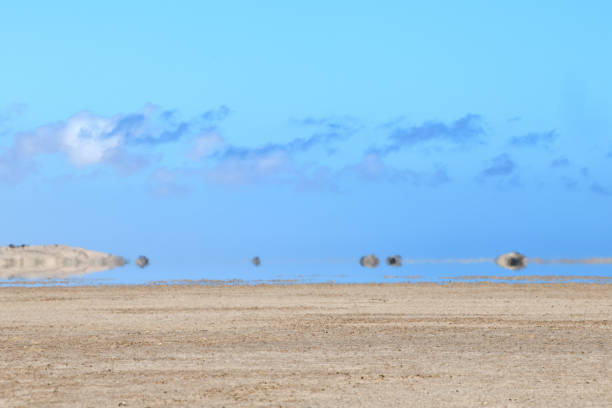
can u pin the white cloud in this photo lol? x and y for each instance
(89, 139)
(372, 168)
(249, 168)
(84, 138)
(205, 145)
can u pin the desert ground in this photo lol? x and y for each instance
(314, 345)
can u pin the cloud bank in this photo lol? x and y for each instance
(544, 139)
(135, 142)
(87, 139)
(501, 165)
(462, 131)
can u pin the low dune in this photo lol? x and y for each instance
(53, 262)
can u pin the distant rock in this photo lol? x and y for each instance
(512, 260)
(142, 261)
(369, 261)
(394, 261)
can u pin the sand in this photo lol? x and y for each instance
(375, 345)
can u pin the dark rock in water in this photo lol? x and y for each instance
(512, 260)
(394, 261)
(369, 261)
(142, 261)
(256, 261)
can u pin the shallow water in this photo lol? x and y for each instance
(321, 270)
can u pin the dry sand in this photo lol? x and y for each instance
(375, 345)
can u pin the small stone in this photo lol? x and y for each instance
(512, 260)
(369, 261)
(142, 261)
(395, 261)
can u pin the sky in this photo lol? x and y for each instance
(202, 134)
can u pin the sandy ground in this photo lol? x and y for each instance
(387, 345)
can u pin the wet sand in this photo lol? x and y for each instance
(375, 345)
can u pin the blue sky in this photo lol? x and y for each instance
(196, 130)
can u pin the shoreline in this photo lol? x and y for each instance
(461, 280)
